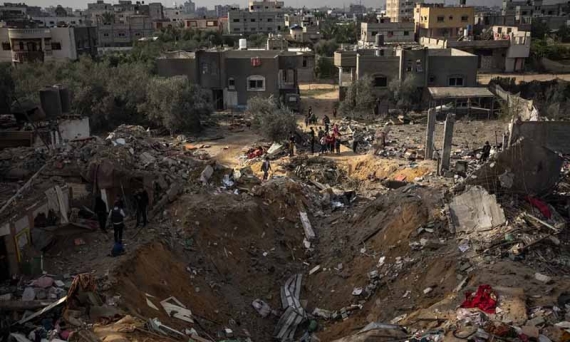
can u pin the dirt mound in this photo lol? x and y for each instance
(224, 251)
(370, 167)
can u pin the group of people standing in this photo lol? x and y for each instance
(329, 141)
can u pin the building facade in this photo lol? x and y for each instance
(430, 67)
(245, 22)
(47, 44)
(60, 21)
(125, 34)
(391, 32)
(266, 6)
(207, 24)
(435, 20)
(401, 10)
(506, 51)
(235, 76)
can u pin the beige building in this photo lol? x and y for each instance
(435, 20)
(46, 44)
(401, 10)
(266, 6)
(402, 32)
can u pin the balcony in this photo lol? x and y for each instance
(29, 33)
(27, 56)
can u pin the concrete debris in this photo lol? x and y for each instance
(174, 308)
(542, 278)
(309, 232)
(294, 313)
(261, 307)
(475, 211)
(535, 174)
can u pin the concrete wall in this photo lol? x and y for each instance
(240, 69)
(443, 67)
(392, 32)
(554, 67)
(415, 62)
(66, 37)
(71, 129)
(387, 66)
(451, 17)
(5, 55)
(177, 67)
(550, 134)
(209, 69)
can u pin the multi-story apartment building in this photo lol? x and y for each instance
(189, 7)
(436, 20)
(46, 44)
(397, 32)
(205, 24)
(401, 10)
(223, 10)
(260, 17)
(177, 15)
(124, 34)
(235, 76)
(119, 25)
(505, 51)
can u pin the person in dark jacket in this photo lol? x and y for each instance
(101, 212)
(486, 152)
(141, 198)
(117, 218)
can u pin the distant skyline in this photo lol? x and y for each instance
(82, 4)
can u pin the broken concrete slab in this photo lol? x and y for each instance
(534, 170)
(475, 210)
(176, 309)
(207, 174)
(309, 232)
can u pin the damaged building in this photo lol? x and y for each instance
(235, 76)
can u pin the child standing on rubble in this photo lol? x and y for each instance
(266, 167)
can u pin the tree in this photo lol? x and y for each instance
(359, 98)
(402, 93)
(108, 18)
(539, 29)
(326, 47)
(176, 104)
(563, 34)
(271, 120)
(325, 68)
(7, 87)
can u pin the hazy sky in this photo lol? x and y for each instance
(242, 3)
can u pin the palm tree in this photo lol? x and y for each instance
(108, 18)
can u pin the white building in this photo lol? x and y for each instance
(46, 44)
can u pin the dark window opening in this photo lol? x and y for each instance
(56, 46)
(380, 81)
(6, 46)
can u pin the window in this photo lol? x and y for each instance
(210, 23)
(450, 17)
(256, 83)
(205, 68)
(374, 33)
(237, 29)
(231, 83)
(464, 18)
(406, 33)
(236, 20)
(269, 20)
(21, 46)
(380, 81)
(440, 19)
(253, 29)
(252, 20)
(56, 46)
(509, 30)
(6, 46)
(304, 61)
(390, 33)
(455, 81)
(105, 35)
(500, 30)
(431, 79)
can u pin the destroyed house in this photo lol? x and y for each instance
(234, 76)
(430, 67)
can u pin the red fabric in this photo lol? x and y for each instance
(540, 205)
(484, 299)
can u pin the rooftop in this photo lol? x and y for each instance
(448, 52)
(438, 93)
